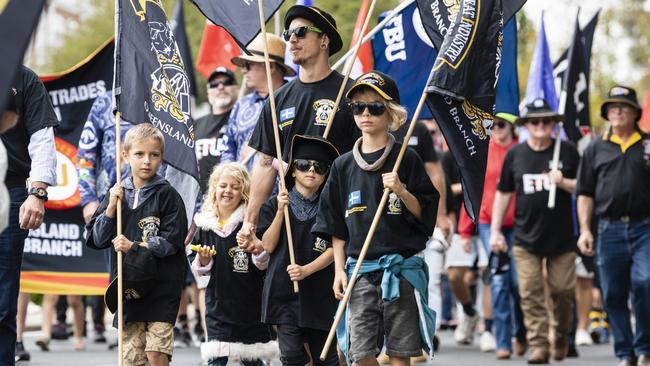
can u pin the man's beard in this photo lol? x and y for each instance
(222, 101)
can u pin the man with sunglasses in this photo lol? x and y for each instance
(209, 129)
(613, 184)
(303, 105)
(247, 110)
(543, 237)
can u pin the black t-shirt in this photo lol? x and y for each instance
(350, 198)
(208, 131)
(618, 181)
(35, 112)
(233, 295)
(452, 176)
(162, 214)
(537, 228)
(421, 141)
(303, 109)
(315, 305)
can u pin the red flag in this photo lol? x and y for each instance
(363, 63)
(644, 123)
(217, 48)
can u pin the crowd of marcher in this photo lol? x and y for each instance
(531, 280)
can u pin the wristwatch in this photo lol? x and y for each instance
(39, 192)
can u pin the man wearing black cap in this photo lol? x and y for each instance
(613, 183)
(31, 154)
(208, 130)
(305, 103)
(543, 237)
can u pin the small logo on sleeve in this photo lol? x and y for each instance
(354, 199)
(286, 117)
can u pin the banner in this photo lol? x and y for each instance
(151, 86)
(55, 259)
(178, 27)
(404, 51)
(461, 91)
(17, 21)
(217, 48)
(240, 18)
(363, 62)
(540, 75)
(508, 84)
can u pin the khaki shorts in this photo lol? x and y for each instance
(140, 338)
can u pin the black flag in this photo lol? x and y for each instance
(17, 21)
(151, 86)
(178, 28)
(572, 74)
(438, 16)
(461, 90)
(240, 18)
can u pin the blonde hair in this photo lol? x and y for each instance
(141, 132)
(235, 170)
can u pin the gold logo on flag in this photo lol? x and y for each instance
(481, 120)
(139, 8)
(453, 7)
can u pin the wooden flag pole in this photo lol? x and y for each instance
(120, 307)
(330, 118)
(276, 134)
(371, 232)
(552, 189)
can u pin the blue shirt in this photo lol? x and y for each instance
(243, 118)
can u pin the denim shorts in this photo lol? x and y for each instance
(374, 322)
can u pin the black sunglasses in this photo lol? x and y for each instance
(376, 108)
(536, 122)
(499, 124)
(215, 84)
(300, 32)
(304, 165)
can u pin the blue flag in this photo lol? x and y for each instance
(404, 51)
(17, 21)
(151, 86)
(541, 83)
(508, 84)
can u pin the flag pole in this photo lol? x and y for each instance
(552, 189)
(398, 9)
(371, 232)
(330, 118)
(120, 307)
(276, 135)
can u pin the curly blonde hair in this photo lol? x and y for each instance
(235, 170)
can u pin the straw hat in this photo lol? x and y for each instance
(256, 48)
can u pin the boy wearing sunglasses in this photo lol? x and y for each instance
(304, 317)
(541, 235)
(305, 104)
(383, 309)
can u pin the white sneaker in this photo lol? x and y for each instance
(583, 338)
(464, 333)
(488, 343)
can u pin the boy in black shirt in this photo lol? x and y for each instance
(155, 226)
(304, 317)
(540, 233)
(379, 315)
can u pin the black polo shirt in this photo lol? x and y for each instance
(617, 176)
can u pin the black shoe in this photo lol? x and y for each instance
(573, 352)
(99, 337)
(21, 354)
(60, 332)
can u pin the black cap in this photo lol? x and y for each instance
(538, 109)
(139, 276)
(621, 94)
(221, 71)
(311, 148)
(321, 19)
(379, 82)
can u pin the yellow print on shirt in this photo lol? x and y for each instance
(355, 209)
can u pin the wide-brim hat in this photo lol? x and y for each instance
(140, 274)
(321, 19)
(312, 148)
(383, 84)
(538, 109)
(276, 53)
(621, 94)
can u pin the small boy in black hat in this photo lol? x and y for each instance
(304, 317)
(154, 227)
(383, 308)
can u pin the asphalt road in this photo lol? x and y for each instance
(61, 353)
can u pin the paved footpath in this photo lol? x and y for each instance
(450, 354)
